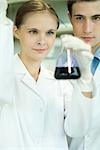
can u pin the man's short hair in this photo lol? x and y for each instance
(71, 2)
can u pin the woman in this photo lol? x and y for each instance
(41, 110)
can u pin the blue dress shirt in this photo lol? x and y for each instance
(96, 61)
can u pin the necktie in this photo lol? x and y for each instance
(95, 63)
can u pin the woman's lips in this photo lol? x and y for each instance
(40, 50)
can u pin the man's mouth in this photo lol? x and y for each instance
(88, 39)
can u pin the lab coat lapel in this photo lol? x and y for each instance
(27, 79)
(23, 74)
(38, 87)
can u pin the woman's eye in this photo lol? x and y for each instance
(96, 18)
(50, 33)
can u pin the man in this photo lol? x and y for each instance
(85, 18)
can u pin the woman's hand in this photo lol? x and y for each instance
(3, 8)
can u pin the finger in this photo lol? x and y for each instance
(69, 41)
(87, 54)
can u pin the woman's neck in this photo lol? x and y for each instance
(33, 67)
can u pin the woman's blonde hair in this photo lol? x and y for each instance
(33, 6)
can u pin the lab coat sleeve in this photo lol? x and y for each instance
(6, 61)
(77, 112)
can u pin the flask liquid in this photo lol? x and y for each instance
(67, 66)
(63, 73)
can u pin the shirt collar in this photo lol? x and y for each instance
(97, 53)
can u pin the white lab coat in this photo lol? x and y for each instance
(32, 113)
(92, 140)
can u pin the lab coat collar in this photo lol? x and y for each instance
(21, 69)
(26, 78)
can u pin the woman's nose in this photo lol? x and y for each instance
(42, 39)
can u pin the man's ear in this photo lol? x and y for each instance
(16, 32)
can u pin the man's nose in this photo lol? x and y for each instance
(88, 26)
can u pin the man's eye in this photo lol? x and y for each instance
(96, 18)
(79, 18)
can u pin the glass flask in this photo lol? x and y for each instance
(67, 66)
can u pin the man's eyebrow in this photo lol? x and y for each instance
(78, 15)
(97, 15)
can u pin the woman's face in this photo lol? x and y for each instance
(37, 35)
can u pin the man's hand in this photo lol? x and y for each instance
(82, 53)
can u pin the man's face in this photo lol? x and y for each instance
(85, 20)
